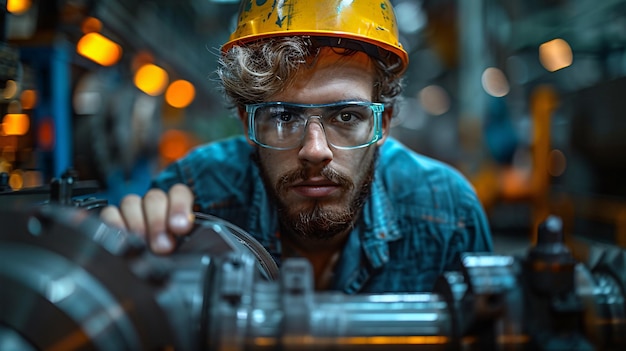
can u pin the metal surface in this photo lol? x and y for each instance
(69, 282)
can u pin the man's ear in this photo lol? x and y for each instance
(243, 117)
(386, 122)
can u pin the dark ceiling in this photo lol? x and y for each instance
(186, 35)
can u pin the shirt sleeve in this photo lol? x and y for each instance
(472, 231)
(170, 176)
(438, 209)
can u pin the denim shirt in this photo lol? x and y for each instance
(421, 214)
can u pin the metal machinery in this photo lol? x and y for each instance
(69, 282)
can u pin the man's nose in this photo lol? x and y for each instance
(315, 148)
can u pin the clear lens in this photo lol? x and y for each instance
(279, 126)
(347, 125)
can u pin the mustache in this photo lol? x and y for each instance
(302, 174)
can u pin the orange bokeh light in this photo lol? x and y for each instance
(174, 144)
(180, 93)
(45, 134)
(90, 25)
(15, 124)
(99, 49)
(28, 99)
(151, 79)
(555, 54)
(18, 7)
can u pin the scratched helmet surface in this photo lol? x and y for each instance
(371, 22)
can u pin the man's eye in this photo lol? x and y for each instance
(285, 117)
(347, 117)
(281, 115)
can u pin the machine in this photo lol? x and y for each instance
(70, 282)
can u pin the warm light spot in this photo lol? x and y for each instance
(180, 93)
(174, 144)
(91, 24)
(10, 89)
(15, 124)
(45, 134)
(151, 79)
(18, 7)
(357, 342)
(32, 179)
(5, 166)
(16, 180)
(557, 163)
(99, 49)
(494, 82)
(515, 183)
(28, 99)
(141, 58)
(434, 99)
(555, 55)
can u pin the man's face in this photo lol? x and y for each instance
(320, 189)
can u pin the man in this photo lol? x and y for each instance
(315, 84)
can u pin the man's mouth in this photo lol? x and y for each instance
(315, 187)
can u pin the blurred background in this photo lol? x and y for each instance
(526, 97)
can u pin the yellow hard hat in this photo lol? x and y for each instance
(366, 21)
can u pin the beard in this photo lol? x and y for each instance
(318, 222)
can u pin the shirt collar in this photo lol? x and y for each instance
(380, 225)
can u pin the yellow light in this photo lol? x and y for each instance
(180, 93)
(99, 49)
(15, 124)
(555, 55)
(16, 181)
(151, 79)
(5, 166)
(18, 7)
(355, 341)
(393, 340)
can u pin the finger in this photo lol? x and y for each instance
(112, 216)
(155, 205)
(132, 214)
(180, 210)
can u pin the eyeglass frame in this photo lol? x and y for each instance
(377, 114)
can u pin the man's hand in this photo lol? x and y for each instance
(158, 217)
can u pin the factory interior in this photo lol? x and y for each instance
(526, 98)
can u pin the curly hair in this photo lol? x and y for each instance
(254, 72)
